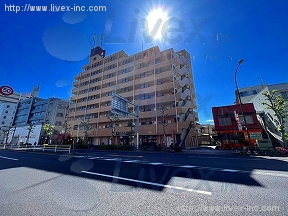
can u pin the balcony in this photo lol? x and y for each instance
(147, 90)
(184, 82)
(165, 87)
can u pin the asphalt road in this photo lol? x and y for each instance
(140, 183)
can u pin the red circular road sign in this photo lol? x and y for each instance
(6, 90)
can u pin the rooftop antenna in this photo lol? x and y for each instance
(95, 40)
(102, 39)
(261, 80)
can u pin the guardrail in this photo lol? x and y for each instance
(56, 148)
(45, 147)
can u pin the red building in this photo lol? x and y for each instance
(230, 126)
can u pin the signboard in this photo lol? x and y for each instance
(6, 90)
(238, 120)
(119, 105)
(255, 135)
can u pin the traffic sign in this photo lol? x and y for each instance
(6, 90)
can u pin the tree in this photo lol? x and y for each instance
(114, 123)
(65, 125)
(277, 104)
(6, 132)
(49, 130)
(30, 130)
(86, 127)
(65, 128)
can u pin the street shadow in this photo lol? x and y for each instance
(136, 175)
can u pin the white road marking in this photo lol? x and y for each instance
(229, 170)
(112, 159)
(269, 173)
(187, 166)
(225, 158)
(132, 161)
(91, 158)
(9, 158)
(150, 183)
(155, 163)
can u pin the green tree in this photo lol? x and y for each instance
(49, 130)
(30, 129)
(277, 104)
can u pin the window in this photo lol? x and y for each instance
(159, 82)
(125, 80)
(59, 115)
(145, 96)
(108, 84)
(243, 94)
(126, 89)
(158, 70)
(4, 117)
(8, 106)
(126, 61)
(108, 93)
(157, 60)
(225, 121)
(249, 119)
(110, 75)
(144, 85)
(3, 122)
(126, 70)
(142, 65)
(254, 91)
(58, 123)
(284, 95)
(6, 111)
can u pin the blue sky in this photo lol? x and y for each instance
(51, 47)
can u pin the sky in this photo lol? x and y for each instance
(49, 48)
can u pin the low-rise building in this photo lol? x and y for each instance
(231, 128)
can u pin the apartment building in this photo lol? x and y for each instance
(153, 79)
(7, 113)
(253, 94)
(38, 112)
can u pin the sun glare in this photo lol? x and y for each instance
(152, 19)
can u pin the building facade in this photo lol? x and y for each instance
(38, 112)
(227, 125)
(160, 83)
(254, 95)
(7, 114)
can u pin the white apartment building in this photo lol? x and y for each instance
(7, 113)
(253, 94)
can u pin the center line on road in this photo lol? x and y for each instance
(150, 183)
(9, 158)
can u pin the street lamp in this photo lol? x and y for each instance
(240, 101)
